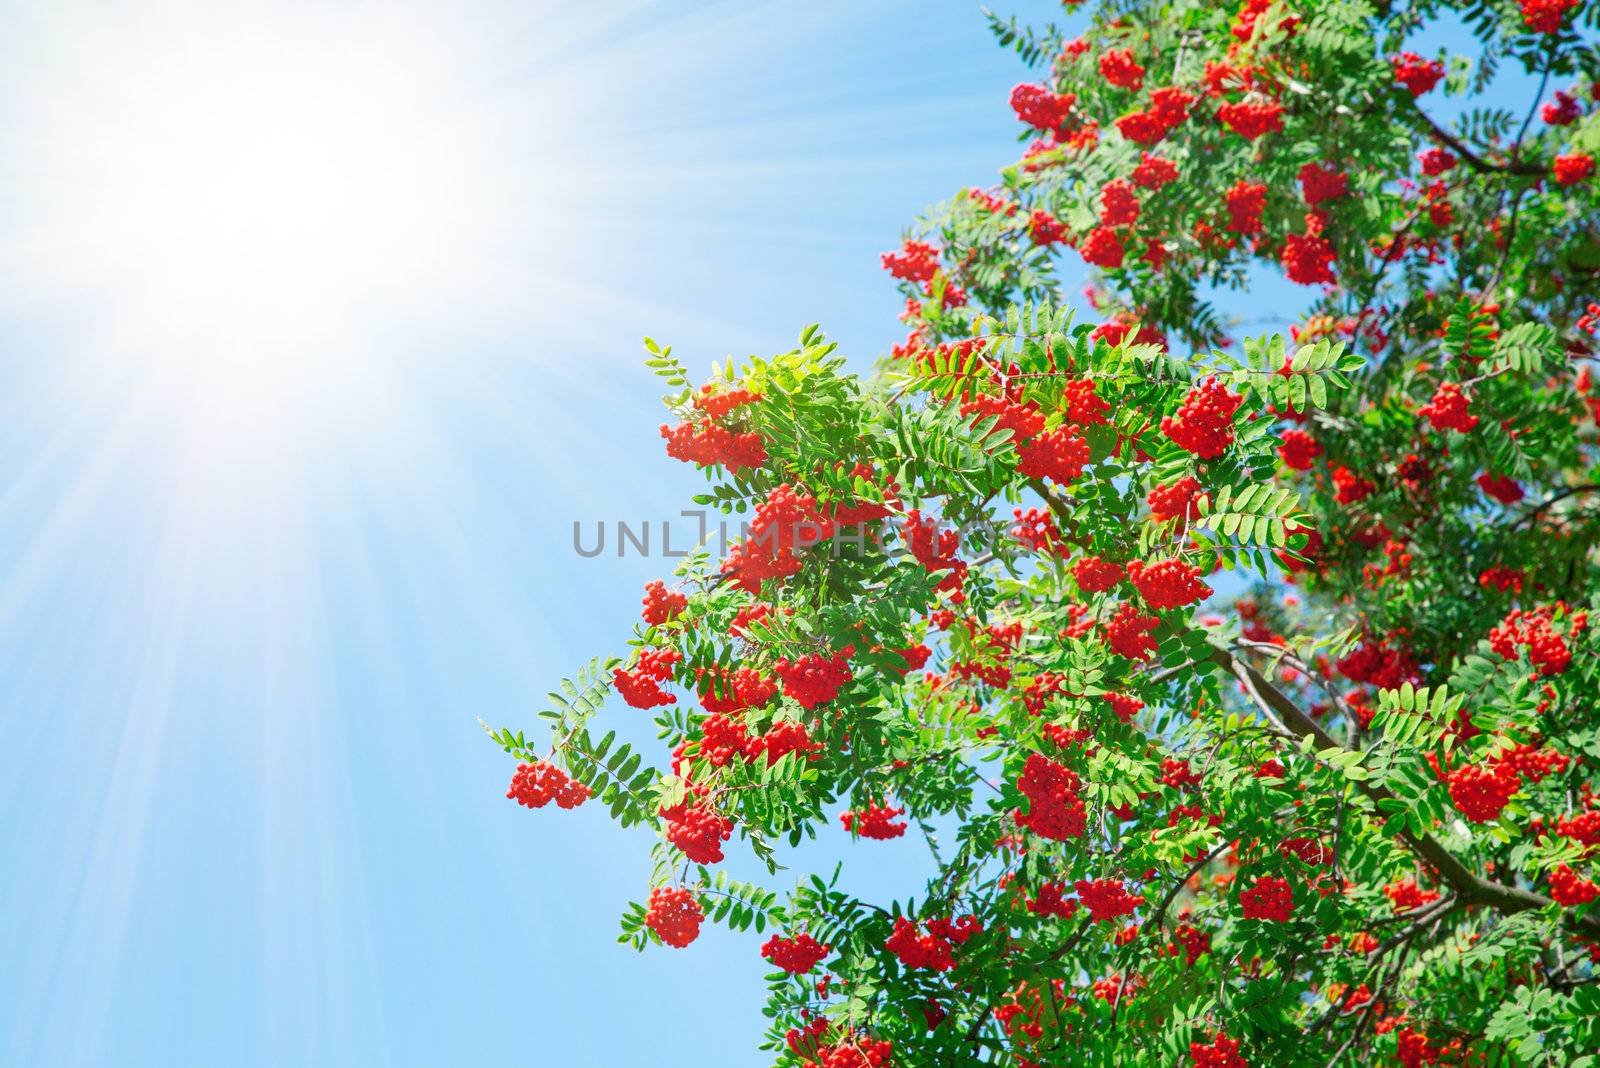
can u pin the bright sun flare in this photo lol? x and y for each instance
(253, 199)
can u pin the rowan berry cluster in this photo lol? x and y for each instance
(1128, 633)
(1245, 202)
(1568, 888)
(698, 831)
(674, 915)
(786, 523)
(874, 821)
(1406, 895)
(1059, 455)
(1042, 109)
(1448, 409)
(1118, 67)
(1252, 119)
(707, 444)
(660, 604)
(1299, 449)
(1169, 583)
(1179, 500)
(1220, 1052)
(1107, 899)
(1482, 793)
(1320, 182)
(1415, 73)
(1097, 575)
(917, 261)
(815, 679)
(1534, 628)
(1119, 204)
(1203, 424)
(1573, 168)
(640, 686)
(727, 692)
(1056, 810)
(1308, 259)
(1268, 898)
(1544, 16)
(934, 949)
(536, 785)
(1036, 529)
(796, 955)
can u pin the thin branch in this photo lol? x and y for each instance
(1468, 884)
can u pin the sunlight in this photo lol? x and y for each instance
(251, 203)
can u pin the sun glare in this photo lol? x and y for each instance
(249, 203)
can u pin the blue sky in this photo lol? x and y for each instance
(254, 607)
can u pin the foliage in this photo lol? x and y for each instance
(1342, 815)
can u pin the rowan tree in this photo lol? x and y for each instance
(1241, 685)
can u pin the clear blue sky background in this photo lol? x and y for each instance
(246, 813)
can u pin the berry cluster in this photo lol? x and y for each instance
(536, 785)
(1107, 899)
(1153, 172)
(1572, 169)
(1169, 109)
(1252, 119)
(1128, 633)
(725, 693)
(709, 445)
(1059, 454)
(1095, 574)
(1481, 793)
(1319, 182)
(1175, 501)
(815, 679)
(1082, 404)
(641, 686)
(1299, 449)
(661, 606)
(917, 261)
(1118, 67)
(1406, 895)
(1349, 487)
(1102, 248)
(1036, 529)
(795, 955)
(874, 821)
(1119, 204)
(1203, 424)
(1221, 1052)
(1448, 409)
(785, 523)
(698, 831)
(1042, 109)
(674, 915)
(1045, 229)
(1169, 583)
(934, 549)
(1123, 706)
(1307, 259)
(1547, 648)
(1245, 202)
(1544, 16)
(935, 949)
(1415, 73)
(1268, 898)
(1568, 888)
(1056, 810)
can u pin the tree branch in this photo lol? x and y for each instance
(1471, 158)
(1468, 884)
